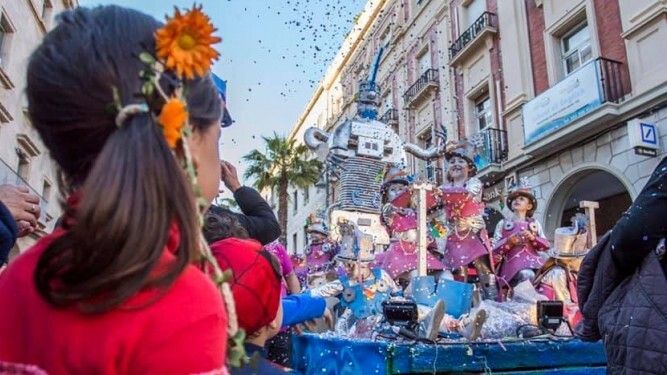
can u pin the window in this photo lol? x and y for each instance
(6, 31)
(295, 199)
(424, 62)
(430, 164)
(47, 10)
(46, 190)
(483, 112)
(305, 237)
(306, 195)
(473, 11)
(386, 103)
(576, 48)
(294, 243)
(23, 169)
(385, 38)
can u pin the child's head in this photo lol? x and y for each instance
(132, 189)
(256, 285)
(220, 223)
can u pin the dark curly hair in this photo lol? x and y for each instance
(220, 223)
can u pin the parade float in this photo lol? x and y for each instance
(386, 224)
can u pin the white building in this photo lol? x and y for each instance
(23, 158)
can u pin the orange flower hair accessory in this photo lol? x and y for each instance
(184, 43)
(173, 117)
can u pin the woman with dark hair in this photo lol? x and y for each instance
(122, 104)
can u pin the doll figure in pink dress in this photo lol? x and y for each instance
(321, 250)
(400, 220)
(467, 240)
(519, 239)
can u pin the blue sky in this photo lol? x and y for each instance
(273, 54)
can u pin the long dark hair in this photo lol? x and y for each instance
(132, 188)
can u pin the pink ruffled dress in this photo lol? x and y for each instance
(402, 255)
(467, 239)
(523, 255)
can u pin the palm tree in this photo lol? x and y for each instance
(283, 164)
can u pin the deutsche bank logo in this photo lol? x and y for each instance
(648, 133)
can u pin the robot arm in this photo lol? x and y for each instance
(434, 152)
(314, 137)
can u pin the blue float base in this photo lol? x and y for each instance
(314, 354)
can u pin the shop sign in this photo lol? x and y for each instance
(492, 194)
(643, 137)
(570, 99)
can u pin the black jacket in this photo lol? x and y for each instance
(257, 217)
(259, 365)
(622, 286)
(8, 233)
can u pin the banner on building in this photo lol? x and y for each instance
(570, 99)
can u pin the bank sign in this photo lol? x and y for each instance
(568, 100)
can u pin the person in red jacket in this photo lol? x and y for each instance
(114, 290)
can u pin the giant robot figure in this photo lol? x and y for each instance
(357, 152)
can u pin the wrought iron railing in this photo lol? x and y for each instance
(391, 116)
(610, 74)
(428, 77)
(487, 19)
(493, 147)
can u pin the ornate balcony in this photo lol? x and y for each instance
(419, 89)
(390, 117)
(487, 23)
(493, 151)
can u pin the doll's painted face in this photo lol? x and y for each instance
(521, 204)
(457, 168)
(358, 271)
(316, 237)
(395, 190)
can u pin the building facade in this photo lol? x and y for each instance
(572, 84)
(412, 78)
(561, 93)
(23, 158)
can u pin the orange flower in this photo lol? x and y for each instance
(172, 118)
(184, 43)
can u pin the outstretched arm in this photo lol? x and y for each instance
(258, 218)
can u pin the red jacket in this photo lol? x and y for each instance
(182, 332)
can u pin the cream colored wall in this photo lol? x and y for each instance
(517, 69)
(645, 32)
(636, 12)
(555, 10)
(29, 29)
